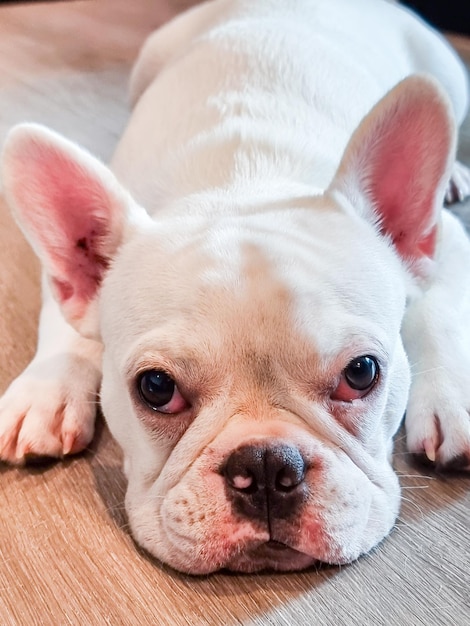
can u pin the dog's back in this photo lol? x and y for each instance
(307, 82)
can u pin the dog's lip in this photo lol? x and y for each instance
(271, 556)
(276, 546)
(277, 551)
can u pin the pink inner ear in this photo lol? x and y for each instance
(399, 160)
(66, 208)
(403, 181)
(84, 268)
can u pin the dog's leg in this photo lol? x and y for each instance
(436, 332)
(49, 410)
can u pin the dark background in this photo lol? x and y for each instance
(451, 15)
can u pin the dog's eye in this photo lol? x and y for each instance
(159, 391)
(357, 379)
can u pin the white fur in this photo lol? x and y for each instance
(283, 237)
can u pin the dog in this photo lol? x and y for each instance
(265, 279)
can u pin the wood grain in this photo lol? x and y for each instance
(66, 556)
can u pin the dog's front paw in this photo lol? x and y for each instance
(459, 185)
(438, 424)
(49, 410)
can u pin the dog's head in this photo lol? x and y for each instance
(253, 369)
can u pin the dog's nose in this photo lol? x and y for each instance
(266, 481)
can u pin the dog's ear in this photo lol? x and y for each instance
(71, 209)
(397, 165)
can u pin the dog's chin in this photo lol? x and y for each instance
(270, 556)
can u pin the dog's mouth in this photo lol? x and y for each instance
(271, 556)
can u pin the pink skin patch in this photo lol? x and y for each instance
(407, 163)
(66, 202)
(241, 482)
(74, 229)
(400, 159)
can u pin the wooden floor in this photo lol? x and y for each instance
(66, 556)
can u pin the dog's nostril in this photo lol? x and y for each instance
(289, 478)
(246, 483)
(240, 473)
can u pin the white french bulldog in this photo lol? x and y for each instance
(257, 321)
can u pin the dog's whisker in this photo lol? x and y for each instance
(428, 371)
(414, 504)
(412, 487)
(418, 476)
(400, 438)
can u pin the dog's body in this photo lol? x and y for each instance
(253, 316)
